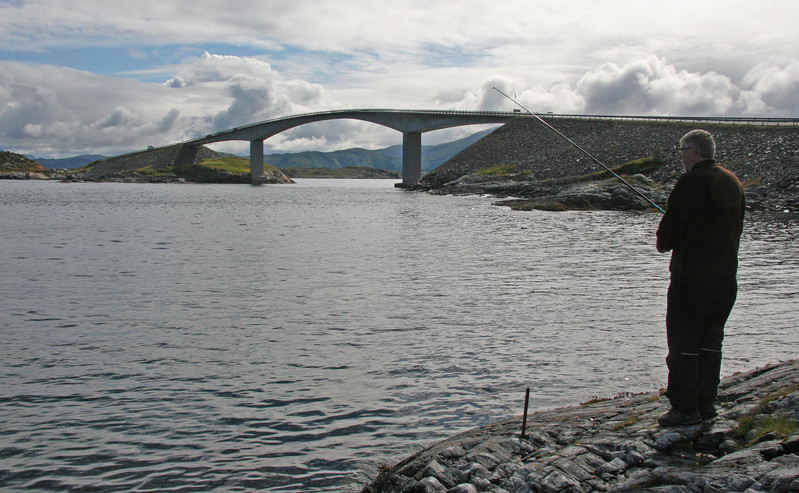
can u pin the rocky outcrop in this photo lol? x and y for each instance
(542, 170)
(616, 445)
(273, 176)
(24, 175)
(586, 193)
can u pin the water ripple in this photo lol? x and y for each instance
(285, 339)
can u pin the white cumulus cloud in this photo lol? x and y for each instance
(652, 86)
(103, 77)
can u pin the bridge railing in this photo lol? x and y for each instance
(717, 119)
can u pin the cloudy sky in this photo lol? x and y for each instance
(109, 76)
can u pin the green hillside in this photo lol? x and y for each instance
(177, 163)
(13, 162)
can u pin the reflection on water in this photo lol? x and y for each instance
(294, 337)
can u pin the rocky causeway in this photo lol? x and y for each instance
(616, 445)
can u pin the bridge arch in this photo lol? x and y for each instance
(412, 124)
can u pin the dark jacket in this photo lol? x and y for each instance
(703, 224)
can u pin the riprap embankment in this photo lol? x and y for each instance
(527, 162)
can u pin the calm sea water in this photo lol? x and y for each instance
(294, 338)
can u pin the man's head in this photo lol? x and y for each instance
(696, 145)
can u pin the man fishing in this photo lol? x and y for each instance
(702, 227)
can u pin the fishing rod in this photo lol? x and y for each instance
(583, 151)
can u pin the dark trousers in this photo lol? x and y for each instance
(695, 318)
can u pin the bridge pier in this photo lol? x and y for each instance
(256, 160)
(411, 157)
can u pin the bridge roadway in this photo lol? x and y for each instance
(412, 123)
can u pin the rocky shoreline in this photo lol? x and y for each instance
(529, 167)
(616, 445)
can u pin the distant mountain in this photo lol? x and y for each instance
(68, 162)
(346, 172)
(435, 155)
(389, 158)
(335, 159)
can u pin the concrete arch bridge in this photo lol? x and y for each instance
(412, 123)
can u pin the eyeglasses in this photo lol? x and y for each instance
(680, 149)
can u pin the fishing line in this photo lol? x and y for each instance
(583, 151)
